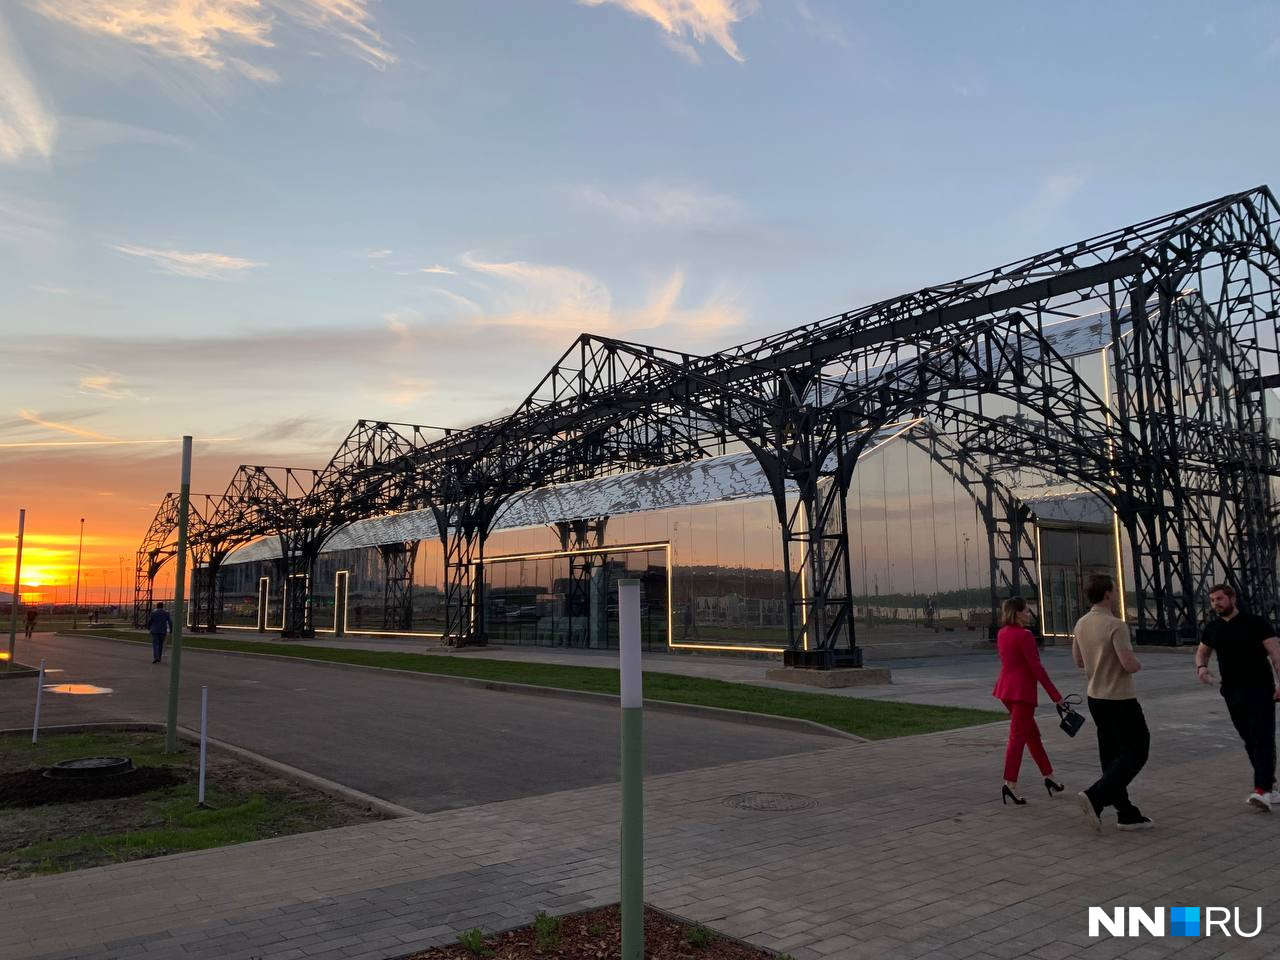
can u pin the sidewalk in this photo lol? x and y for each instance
(904, 853)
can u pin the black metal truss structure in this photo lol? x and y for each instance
(1174, 435)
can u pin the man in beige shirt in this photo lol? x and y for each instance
(1101, 647)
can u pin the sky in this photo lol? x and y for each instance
(257, 221)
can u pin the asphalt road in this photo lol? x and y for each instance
(426, 746)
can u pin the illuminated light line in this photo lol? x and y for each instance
(621, 548)
(1115, 516)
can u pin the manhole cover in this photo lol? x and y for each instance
(85, 768)
(770, 802)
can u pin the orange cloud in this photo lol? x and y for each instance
(685, 20)
(207, 32)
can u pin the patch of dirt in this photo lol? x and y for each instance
(598, 936)
(48, 830)
(31, 788)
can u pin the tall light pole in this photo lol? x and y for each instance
(120, 584)
(179, 603)
(75, 613)
(17, 587)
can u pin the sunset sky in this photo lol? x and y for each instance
(256, 221)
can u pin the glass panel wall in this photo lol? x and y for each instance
(921, 559)
(1067, 558)
(573, 600)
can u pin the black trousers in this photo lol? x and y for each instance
(1123, 744)
(1253, 711)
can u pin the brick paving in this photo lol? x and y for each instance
(907, 853)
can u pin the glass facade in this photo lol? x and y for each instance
(712, 573)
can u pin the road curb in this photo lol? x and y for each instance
(794, 724)
(322, 784)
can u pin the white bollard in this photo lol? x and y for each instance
(631, 686)
(204, 727)
(35, 726)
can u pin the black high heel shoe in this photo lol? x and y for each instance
(1006, 795)
(1052, 786)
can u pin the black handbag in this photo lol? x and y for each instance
(1068, 719)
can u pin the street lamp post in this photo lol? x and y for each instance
(17, 587)
(75, 613)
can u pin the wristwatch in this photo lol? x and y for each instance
(1202, 666)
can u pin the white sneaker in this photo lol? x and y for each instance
(1274, 797)
(1261, 801)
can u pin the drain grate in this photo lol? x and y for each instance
(770, 802)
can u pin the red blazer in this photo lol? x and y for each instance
(1020, 667)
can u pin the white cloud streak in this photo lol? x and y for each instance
(567, 301)
(213, 33)
(685, 22)
(661, 204)
(205, 266)
(109, 385)
(28, 128)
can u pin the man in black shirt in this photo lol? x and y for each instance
(1249, 658)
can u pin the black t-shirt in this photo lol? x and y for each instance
(1242, 659)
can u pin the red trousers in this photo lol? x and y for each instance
(1023, 732)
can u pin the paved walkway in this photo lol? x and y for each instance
(904, 853)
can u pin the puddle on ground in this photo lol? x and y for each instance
(77, 689)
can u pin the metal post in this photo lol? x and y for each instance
(75, 614)
(17, 588)
(204, 726)
(632, 688)
(179, 606)
(35, 724)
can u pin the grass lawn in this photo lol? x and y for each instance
(873, 719)
(43, 835)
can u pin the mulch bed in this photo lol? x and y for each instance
(598, 936)
(31, 788)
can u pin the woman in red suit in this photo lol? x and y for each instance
(1020, 672)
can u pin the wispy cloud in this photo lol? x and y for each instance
(401, 390)
(557, 298)
(458, 298)
(348, 20)
(27, 221)
(437, 268)
(206, 266)
(213, 33)
(685, 22)
(1052, 194)
(111, 385)
(28, 127)
(662, 204)
(820, 24)
(39, 421)
(378, 254)
(56, 291)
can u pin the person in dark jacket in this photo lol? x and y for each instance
(1248, 652)
(160, 624)
(1020, 673)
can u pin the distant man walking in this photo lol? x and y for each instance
(1101, 647)
(161, 625)
(32, 614)
(1249, 659)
